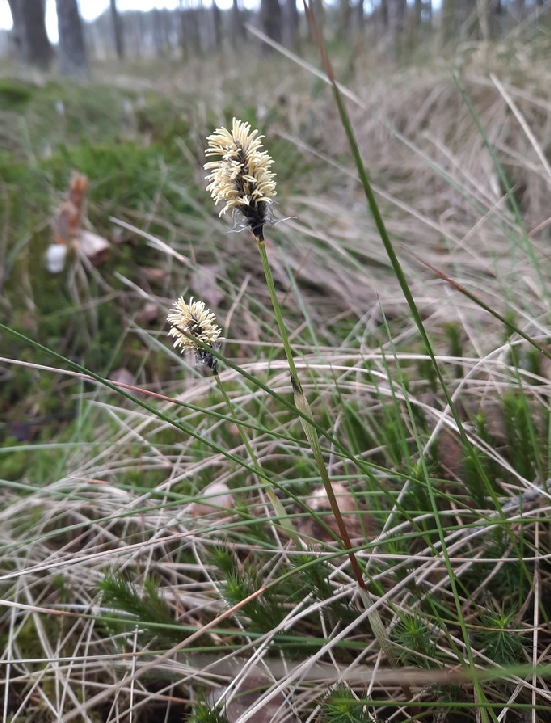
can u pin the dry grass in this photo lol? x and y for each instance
(122, 493)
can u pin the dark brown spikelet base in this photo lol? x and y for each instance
(256, 214)
(205, 362)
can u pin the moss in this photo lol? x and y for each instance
(15, 94)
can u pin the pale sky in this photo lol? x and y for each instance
(89, 10)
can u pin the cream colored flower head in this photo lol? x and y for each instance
(241, 177)
(191, 321)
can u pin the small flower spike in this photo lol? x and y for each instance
(192, 321)
(241, 178)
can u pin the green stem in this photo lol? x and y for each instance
(277, 312)
(279, 510)
(302, 405)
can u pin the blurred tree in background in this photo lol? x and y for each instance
(117, 29)
(29, 36)
(72, 51)
(194, 28)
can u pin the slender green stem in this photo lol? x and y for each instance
(312, 436)
(277, 311)
(275, 502)
(302, 405)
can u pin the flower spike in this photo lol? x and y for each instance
(191, 321)
(241, 178)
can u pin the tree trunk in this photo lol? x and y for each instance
(270, 16)
(290, 24)
(158, 43)
(217, 27)
(117, 29)
(397, 19)
(72, 51)
(195, 14)
(237, 27)
(360, 14)
(139, 34)
(166, 30)
(29, 32)
(383, 9)
(182, 29)
(418, 13)
(414, 19)
(190, 31)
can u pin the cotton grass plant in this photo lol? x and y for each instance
(242, 179)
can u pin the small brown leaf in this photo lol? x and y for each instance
(91, 245)
(358, 522)
(67, 220)
(153, 274)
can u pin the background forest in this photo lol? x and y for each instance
(348, 522)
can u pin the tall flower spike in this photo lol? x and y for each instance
(241, 177)
(192, 321)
